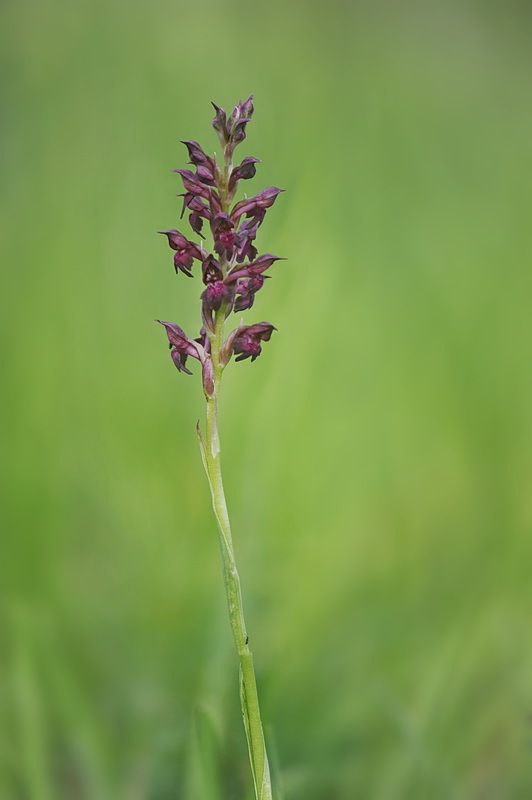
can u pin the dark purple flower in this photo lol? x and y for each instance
(257, 267)
(197, 155)
(244, 238)
(181, 346)
(211, 270)
(186, 251)
(205, 165)
(214, 295)
(193, 185)
(245, 341)
(245, 170)
(247, 344)
(259, 203)
(223, 234)
(198, 206)
(247, 288)
(196, 223)
(176, 240)
(199, 212)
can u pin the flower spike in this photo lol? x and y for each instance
(233, 273)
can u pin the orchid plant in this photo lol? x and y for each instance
(232, 276)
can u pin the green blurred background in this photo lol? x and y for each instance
(377, 456)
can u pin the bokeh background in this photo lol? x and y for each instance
(377, 456)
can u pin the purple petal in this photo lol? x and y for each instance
(245, 170)
(214, 295)
(263, 200)
(176, 240)
(247, 107)
(257, 267)
(179, 360)
(179, 340)
(192, 183)
(196, 154)
(211, 270)
(245, 341)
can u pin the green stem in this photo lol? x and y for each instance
(210, 447)
(210, 451)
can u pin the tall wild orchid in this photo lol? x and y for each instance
(232, 276)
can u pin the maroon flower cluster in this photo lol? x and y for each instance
(234, 273)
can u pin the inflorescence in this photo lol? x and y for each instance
(234, 272)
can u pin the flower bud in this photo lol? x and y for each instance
(219, 124)
(245, 170)
(207, 376)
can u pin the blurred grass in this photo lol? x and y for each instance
(377, 456)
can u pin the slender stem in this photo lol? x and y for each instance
(248, 685)
(210, 450)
